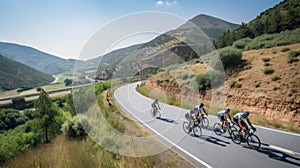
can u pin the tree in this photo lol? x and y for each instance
(68, 82)
(19, 103)
(44, 113)
(70, 105)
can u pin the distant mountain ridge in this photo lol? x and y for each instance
(36, 59)
(16, 75)
(213, 27)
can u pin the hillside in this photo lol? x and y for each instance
(36, 59)
(16, 75)
(174, 46)
(272, 98)
(283, 16)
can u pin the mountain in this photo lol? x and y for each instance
(111, 58)
(211, 26)
(170, 45)
(36, 59)
(283, 16)
(16, 75)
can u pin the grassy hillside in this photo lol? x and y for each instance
(36, 59)
(283, 16)
(15, 75)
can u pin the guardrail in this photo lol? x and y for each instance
(48, 91)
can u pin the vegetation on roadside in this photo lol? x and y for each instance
(284, 16)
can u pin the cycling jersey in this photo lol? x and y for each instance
(240, 116)
(222, 113)
(155, 104)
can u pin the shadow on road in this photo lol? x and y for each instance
(215, 140)
(278, 155)
(281, 156)
(167, 120)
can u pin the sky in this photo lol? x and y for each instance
(63, 27)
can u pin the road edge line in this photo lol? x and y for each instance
(166, 139)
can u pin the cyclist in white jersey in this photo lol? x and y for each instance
(239, 120)
(155, 104)
(193, 114)
(223, 115)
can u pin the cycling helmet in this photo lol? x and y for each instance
(227, 109)
(201, 105)
(246, 112)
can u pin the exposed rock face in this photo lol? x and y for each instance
(283, 110)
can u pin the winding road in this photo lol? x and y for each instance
(278, 149)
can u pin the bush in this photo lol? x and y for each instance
(257, 84)
(265, 59)
(19, 103)
(75, 127)
(285, 49)
(275, 78)
(240, 44)
(235, 84)
(203, 81)
(267, 64)
(292, 56)
(230, 57)
(268, 71)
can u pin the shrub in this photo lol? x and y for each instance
(230, 57)
(294, 53)
(267, 64)
(265, 59)
(203, 81)
(268, 71)
(75, 127)
(240, 44)
(275, 78)
(235, 84)
(292, 56)
(285, 49)
(257, 84)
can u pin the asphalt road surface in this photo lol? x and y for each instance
(279, 149)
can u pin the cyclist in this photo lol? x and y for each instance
(200, 109)
(239, 120)
(190, 117)
(155, 105)
(223, 115)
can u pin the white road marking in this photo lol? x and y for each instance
(169, 141)
(283, 149)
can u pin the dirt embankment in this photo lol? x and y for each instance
(273, 97)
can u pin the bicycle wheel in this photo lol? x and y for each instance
(197, 131)
(185, 127)
(152, 113)
(158, 114)
(204, 122)
(230, 130)
(253, 141)
(217, 128)
(235, 137)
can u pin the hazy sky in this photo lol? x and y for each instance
(62, 27)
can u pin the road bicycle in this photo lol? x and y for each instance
(226, 128)
(155, 112)
(246, 136)
(195, 127)
(203, 120)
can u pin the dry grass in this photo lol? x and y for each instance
(65, 152)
